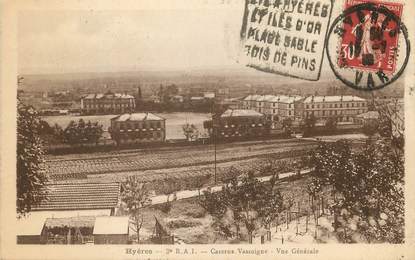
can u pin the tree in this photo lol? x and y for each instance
(31, 178)
(78, 133)
(71, 135)
(367, 187)
(385, 126)
(331, 124)
(370, 127)
(201, 180)
(135, 196)
(170, 187)
(287, 125)
(190, 132)
(250, 202)
(93, 132)
(309, 124)
(140, 95)
(50, 135)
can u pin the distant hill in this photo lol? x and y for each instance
(240, 81)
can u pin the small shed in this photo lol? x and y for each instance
(111, 230)
(72, 230)
(29, 230)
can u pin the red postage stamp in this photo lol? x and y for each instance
(370, 39)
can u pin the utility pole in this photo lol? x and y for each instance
(214, 128)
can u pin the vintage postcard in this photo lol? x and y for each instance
(207, 129)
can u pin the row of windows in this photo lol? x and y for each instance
(333, 112)
(139, 125)
(109, 103)
(247, 123)
(290, 105)
(335, 105)
(274, 111)
(142, 135)
(106, 106)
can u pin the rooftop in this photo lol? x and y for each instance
(137, 117)
(30, 226)
(81, 221)
(76, 196)
(111, 225)
(273, 98)
(107, 95)
(240, 112)
(332, 99)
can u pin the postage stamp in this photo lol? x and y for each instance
(367, 45)
(370, 40)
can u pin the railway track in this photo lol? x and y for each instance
(173, 158)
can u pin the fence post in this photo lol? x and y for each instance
(276, 226)
(286, 220)
(269, 235)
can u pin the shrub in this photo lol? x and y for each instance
(182, 223)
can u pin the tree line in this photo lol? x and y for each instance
(76, 133)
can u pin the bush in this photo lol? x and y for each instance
(196, 212)
(163, 207)
(182, 223)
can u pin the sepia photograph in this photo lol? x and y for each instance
(252, 127)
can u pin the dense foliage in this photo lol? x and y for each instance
(190, 132)
(30, 175)
(245, 201)
(308, 125)
(78, 133)
(368, 187)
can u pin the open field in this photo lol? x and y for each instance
(174, 122)
(177, 161)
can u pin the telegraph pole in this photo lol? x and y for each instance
(213, 114)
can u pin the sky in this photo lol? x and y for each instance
(127, 40)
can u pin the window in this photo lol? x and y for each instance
(312, 106)
(335, 105)
(307, 106)
(318, 106)
(352, 104)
